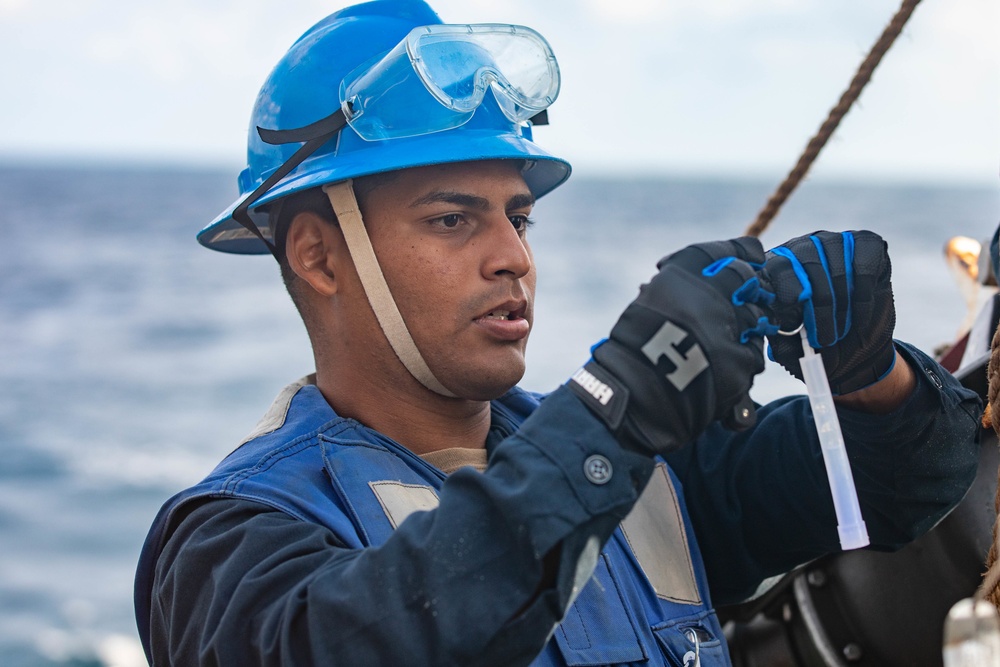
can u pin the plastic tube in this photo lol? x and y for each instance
(850, 525)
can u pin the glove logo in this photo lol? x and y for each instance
(664, 344)
(602, 392)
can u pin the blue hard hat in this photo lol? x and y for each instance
(305, 87)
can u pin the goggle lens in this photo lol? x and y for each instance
(438, 75)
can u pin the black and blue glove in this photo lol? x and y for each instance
(685, 352)
(836, 285)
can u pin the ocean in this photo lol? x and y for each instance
(133, 359)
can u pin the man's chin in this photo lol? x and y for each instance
(485, 384)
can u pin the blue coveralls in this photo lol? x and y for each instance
(412, 567)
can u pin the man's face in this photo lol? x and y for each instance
(451, 243)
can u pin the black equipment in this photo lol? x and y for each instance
(865, 608)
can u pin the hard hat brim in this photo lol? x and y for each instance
(542, 173)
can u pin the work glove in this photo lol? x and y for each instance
(685, 352)
(837, 285)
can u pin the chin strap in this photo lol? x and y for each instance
(345, 206)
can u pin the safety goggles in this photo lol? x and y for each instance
(437, 76)
(433, 80)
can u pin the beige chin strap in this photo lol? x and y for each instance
(345, 206)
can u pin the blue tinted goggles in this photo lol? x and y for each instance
(433, 80)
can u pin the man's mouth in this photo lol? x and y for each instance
(507, 321)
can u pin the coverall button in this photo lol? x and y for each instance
(597, 469)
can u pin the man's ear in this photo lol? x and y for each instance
(311, 249)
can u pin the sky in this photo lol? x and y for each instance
(694, 87)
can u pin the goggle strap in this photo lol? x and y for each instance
(315, 135)
(324, 127)
(345, 207)
(540, 118)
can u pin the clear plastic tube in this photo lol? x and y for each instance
(850, 525)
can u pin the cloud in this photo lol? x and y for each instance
(630, 11)
(10, 7)
(706, 84)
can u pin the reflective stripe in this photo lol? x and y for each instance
(275, 416)
(400, 500)
(655, 532)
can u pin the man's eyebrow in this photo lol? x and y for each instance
(520, 201)
(472, 201)
(457, 198)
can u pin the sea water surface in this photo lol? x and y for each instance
(132, 359)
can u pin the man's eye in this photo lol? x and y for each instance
(450, 221)
(521, 222)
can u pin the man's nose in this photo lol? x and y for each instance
(507, 251)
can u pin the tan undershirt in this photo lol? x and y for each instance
(450, 460)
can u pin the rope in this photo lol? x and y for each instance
(828, 127)
(988, 589)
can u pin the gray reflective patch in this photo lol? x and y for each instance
(275, 416)
(664, 344)
(654, 530)
(400, 500)
(585, 566)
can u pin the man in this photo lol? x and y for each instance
(409, 504)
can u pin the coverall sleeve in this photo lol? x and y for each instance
(760, 501)
(481, 580)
